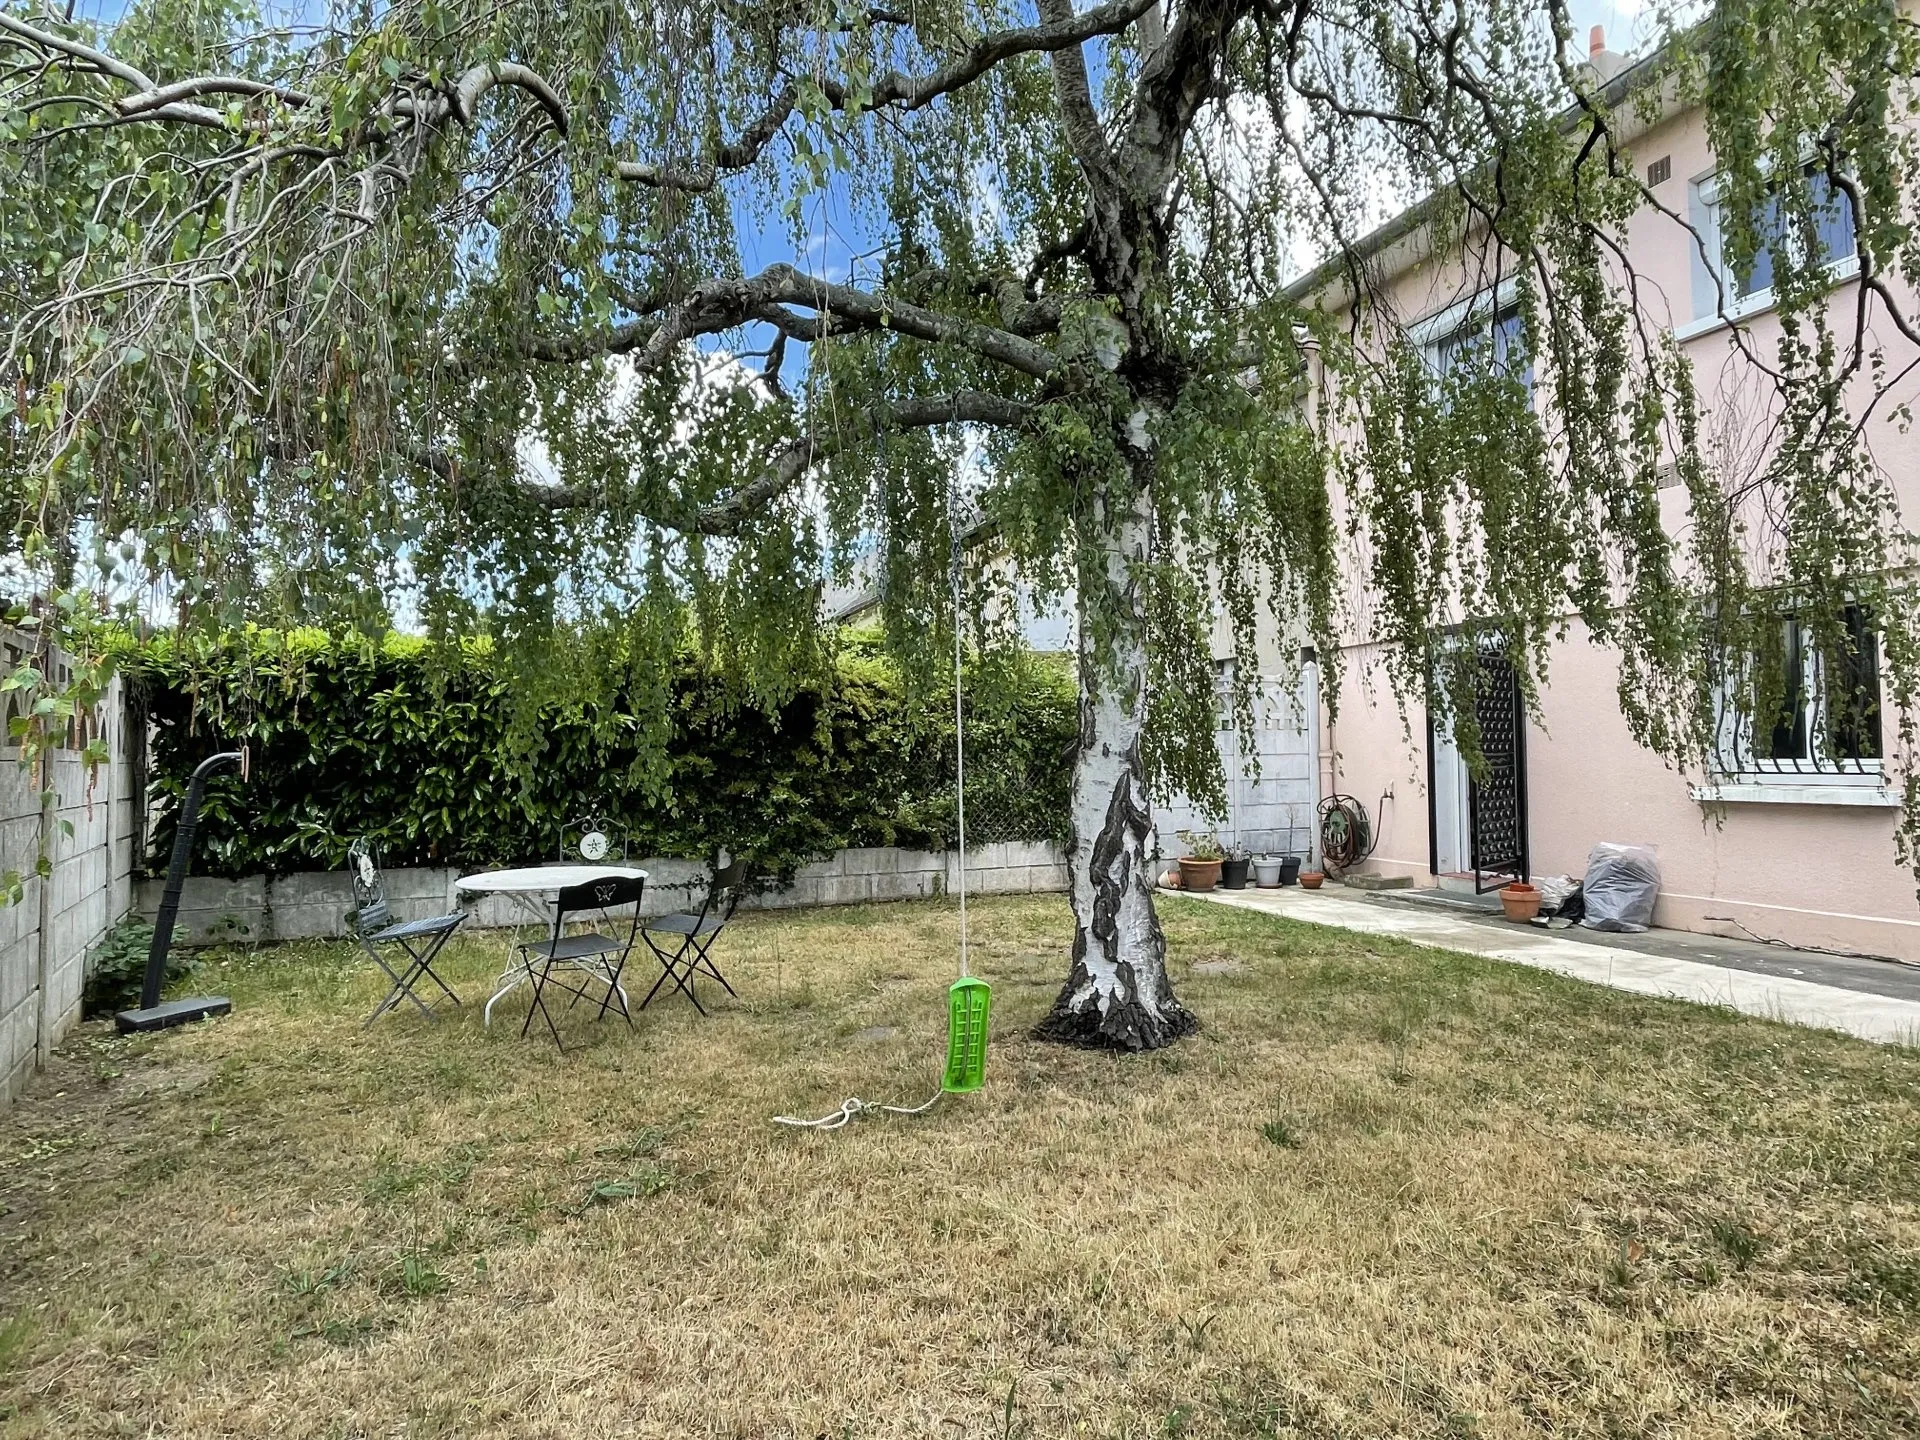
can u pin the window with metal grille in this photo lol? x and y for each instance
(1812, 709)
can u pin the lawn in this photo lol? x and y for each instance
(1386, 1191)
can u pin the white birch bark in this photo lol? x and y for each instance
(1117, 995)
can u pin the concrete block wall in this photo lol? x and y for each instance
(45, 939)
(1272, 791)
(314, 904)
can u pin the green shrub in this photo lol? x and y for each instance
(421, 751)
(117, 965)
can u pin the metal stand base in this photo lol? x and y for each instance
(172, 1012)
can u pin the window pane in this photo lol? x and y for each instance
(1853, 691)
(1833, 220)
(1832, 228)
(1767, 231)
(1780, 716)
(1497, 346)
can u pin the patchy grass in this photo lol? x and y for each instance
(1385, 1191)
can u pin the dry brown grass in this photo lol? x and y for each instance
(1386, 1191)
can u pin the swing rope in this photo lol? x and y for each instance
(853, 1105)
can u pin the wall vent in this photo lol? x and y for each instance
(1660, 171)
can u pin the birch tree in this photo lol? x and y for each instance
(519, 313)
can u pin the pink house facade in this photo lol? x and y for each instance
(1784, 843)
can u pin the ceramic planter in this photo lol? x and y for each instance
(1199, 874)
(1266, 871)
(1310, 879)
(1233, 873)
(1520, 900)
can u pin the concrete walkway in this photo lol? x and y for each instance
(1888, 1018)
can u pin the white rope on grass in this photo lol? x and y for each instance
(852, 1106)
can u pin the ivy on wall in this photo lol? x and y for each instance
(424, 752)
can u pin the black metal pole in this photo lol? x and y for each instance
(177, 875)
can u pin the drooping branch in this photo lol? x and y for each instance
(789, 465)
(1057, 33)
(1061, 33)
(726, 158)
(47, 40)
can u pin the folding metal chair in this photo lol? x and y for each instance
(419, 940)
(691, 936)
(587, 955)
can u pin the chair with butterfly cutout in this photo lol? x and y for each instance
(684, 943)
(419, 940)
(592, 957)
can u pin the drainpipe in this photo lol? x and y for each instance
(43, 956)
(1310, 684)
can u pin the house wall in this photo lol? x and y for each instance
(1812, 874)
(45, 938)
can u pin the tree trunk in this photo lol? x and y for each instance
(1117, 995)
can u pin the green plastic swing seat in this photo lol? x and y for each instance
(968, 1002)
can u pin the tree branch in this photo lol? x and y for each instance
(99, 59)
(788, 466)
(479, 79)
(159, 97)
(1078, 117)
(737, 156)
(1062, 33)
(911, 92)
(1178, 78)
(720, 305)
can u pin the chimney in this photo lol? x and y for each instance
(1603, 64)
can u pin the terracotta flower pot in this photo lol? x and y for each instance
(1170, 880)
(1310, 879)
(1520, 900)
(1199, 874)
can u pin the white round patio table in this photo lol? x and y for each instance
(535, 888)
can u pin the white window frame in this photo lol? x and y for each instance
(1479, 308)
(1708, 191)
(1740, 776)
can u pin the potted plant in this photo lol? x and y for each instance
(1266, 870)
(1200, 866)
(1312, 879)
(1289, 869)
(1233, 867)
(1520, 900)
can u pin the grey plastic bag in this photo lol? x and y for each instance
(1622, 883)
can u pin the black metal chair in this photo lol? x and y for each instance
(419, 940)
(592, 956)
(689, 937)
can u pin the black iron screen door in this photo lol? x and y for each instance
(1497, 797)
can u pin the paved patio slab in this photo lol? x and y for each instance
(1657, 963)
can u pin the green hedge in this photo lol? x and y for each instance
(416, 749)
